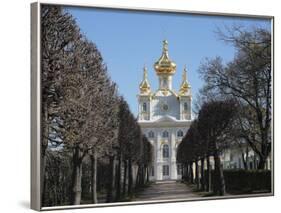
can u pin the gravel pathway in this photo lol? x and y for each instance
(165, 190)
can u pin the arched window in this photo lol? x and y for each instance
(180, 133)
(165, 151)
(151, 134)
(185, 106)
(165, 134)
(144, 107)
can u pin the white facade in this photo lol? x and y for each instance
(164, 116)
(232, 158)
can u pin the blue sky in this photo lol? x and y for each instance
(129, 39)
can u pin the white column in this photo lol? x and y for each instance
(189, 108)
(139, 110)
(158, 165)
(150, 108)
(173, 163)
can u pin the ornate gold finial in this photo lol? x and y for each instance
(144, 85)
(184, 85)
(184, 78)
(165, 46)
(144, 72)
(164, 65)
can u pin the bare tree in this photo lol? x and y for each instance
(207, 136)
(247, 79)
(58, 31)
(217, 117)
(83, 115)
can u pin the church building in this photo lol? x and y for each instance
(164, 116)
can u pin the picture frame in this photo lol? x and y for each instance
(36, 106)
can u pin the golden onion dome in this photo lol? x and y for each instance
(164, 65)
(184, 85)
(144, 85)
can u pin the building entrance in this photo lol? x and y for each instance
(166, 172)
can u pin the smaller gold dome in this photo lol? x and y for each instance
(144, 85)
(184, 85)
(164, 65)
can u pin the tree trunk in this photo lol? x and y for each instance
(186, 172)
(182, 171)
(44, 146)
(77, 176)
(197, 175)
(262, 163)
(209, 175)
(130, 178)
(140, 178)
(111, 182)
(118, 178)
(147, 174)
(219, 178)
(142, 175)
(202, 175)
(245, 158)
(124, 178)
(137, 178)
(265, 148)
(43, 168)
(191, 172)
(94, 177)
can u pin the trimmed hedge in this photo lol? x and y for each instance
(247, 181)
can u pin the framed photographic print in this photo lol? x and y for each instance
(137, 105)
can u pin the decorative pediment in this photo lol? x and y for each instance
(164, 92)
(166, 119)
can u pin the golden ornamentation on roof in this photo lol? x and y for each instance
(184, 85)
(144, 85)
(164, 65)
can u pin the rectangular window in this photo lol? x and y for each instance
(144, 107)
(165, 151)
(185, 107)
(151, 134)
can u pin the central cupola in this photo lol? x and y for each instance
(165, 65)
(165, 68)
